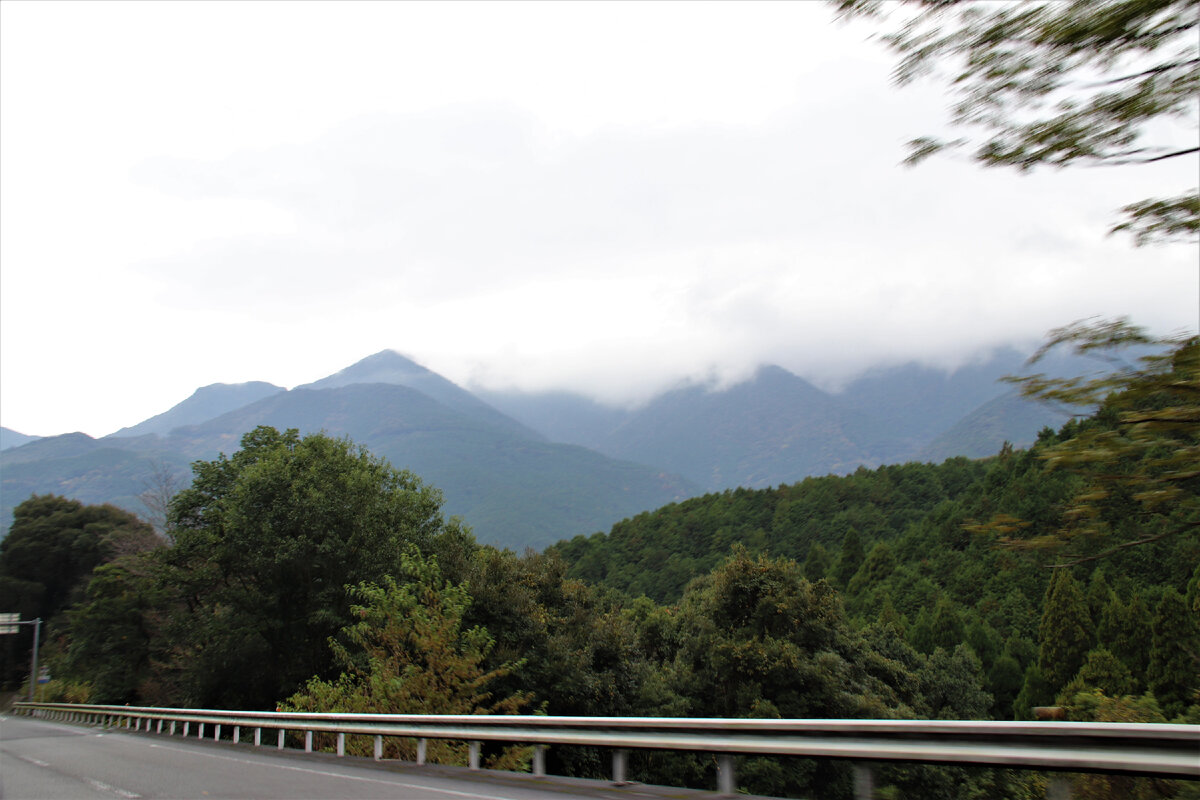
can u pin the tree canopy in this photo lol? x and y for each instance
(55, 543)
(266, 542)
(1059, 84)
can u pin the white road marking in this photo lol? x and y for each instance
(33, 761)
(104, 787)
(422, 787)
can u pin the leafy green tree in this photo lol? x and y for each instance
(266, 541)
(1065, 633)
(951, 685)
(1061, 83)
(113, 636)
(46, 560)
(755, 633)
(876, 568)
(409, 653)
(756, 639)
(55, 543)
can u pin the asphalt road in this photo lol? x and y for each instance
(41, 759)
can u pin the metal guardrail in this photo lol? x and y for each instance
(1170, 751)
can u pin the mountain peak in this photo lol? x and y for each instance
(390, 367)
(386, 366)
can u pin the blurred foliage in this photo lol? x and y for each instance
(1137, 455)
(1079, 82)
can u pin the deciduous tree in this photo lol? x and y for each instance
(266, 541)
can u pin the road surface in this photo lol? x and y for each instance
(40, 759)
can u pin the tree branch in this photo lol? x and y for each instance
(1116, 549)
(1165, 156)
(1152, 71)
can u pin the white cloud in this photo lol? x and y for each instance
(608, 197)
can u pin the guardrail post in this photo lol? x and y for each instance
(421, 751)
(172, 728)
(726, 781)
(200, 735)
(186, 726)
(281, 733)
(473, 755)
(258, 737)
(378, 748)
(620, 759)
(159, 726)
(237, 734)
(864, 782)
(539, 760)
(217, 732)
(308, 741)
(341, 747)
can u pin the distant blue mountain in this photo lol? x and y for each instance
(777, 428)
(10, 438)
(389, 367)
(204, 404)
(507, 482)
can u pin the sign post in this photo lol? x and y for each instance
(8, 624)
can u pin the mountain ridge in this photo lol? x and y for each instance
(517, 465)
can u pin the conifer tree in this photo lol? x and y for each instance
(920, 635)
(1174, 671)
(1124, 630)
(1004, 681)
(1065, 633)
(816, 564)
(1035, 691)
(1098, 595)
(849, 560)
(1101, 670)
(947, 625)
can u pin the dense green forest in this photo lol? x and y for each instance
(307, 573)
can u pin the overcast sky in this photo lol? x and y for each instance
(607, 197)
